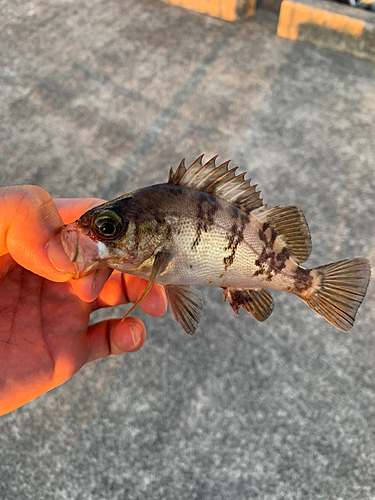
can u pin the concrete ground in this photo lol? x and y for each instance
(101, 97)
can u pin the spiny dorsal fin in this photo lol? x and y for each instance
(218, 180)
(174, 178)
(291, 228)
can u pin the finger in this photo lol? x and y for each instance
(115, 336)
(71, 209)
(28, 221)
(122, 289)
(89, 287)
(155, 304)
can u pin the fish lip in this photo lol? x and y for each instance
(81, 249)
(69, 240)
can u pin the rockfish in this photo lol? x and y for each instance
(208, 226)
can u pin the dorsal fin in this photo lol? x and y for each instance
(291, 229)
(220, 181)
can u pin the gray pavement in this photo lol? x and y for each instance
(101, 97)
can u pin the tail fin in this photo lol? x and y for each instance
(338, 291)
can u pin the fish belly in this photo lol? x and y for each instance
(229, 253)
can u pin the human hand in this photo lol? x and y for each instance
(44, 333)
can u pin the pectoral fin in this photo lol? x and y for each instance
(258, 302)
(160, 262)
(186, 306)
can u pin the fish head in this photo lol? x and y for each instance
(114, 235)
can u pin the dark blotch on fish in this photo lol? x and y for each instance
(206, 209)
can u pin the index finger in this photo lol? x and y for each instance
(124, 288)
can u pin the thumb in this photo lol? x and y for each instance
(28, 221)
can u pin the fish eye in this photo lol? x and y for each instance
(108, 225)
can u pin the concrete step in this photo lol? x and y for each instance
(230, 10)
(330, 25)
(324, 23)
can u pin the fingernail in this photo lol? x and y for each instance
(58, 257)
(136, 333)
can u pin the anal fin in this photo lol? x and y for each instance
(186, 306)
(258, 302)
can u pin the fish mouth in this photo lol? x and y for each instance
(81, 249)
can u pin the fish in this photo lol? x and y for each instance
(208, 226)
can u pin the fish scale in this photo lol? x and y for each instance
(208, 226)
